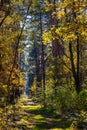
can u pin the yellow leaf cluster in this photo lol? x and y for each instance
(49, 7)
(61, 14)
(47, 37)
(70, 37)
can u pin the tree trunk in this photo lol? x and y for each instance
(75, 74)
(75, 70)
(57, 49)
(43, 63)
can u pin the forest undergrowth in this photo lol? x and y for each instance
(26, 114)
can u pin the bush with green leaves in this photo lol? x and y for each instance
(82, 100)
(65, 98)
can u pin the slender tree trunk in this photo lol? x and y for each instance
(43, 62)
(36, 65)
(78, 67)
(76, 75)
(75, 69)
(57, 49)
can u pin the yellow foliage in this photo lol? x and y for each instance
(70, 37)
(34, 86)
(33, 89)
(61, 31)
(49, 7)
(22, 82)
(61, 14)
(47, 37)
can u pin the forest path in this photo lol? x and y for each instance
(31, 116)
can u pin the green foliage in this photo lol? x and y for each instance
(64, 99)
(82, 100)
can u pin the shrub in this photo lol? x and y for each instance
(82, 100)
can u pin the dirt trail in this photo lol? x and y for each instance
(32, 117)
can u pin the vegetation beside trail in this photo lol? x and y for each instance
(30, 115)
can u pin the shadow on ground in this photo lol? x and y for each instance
(33, 117)
(43, 120)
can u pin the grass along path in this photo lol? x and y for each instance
(31, 116)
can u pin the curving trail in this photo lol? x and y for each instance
(28, 115)
(31, 116)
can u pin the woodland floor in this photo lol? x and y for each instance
(30, 116)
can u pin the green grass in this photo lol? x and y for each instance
(44, 119)
(34, 117)
(39, 117)
(37, 107)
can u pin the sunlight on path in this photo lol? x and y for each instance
(31, 116)
(28, 115)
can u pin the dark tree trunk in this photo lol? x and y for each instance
(43, 62)
(75, 69)
(57, 49)
(76, 75)
(78, 67)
